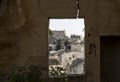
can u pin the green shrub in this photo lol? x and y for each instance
(22, 74)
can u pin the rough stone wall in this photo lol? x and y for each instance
(23, 40)
(101, 19)
(24, 25)
(24, 30)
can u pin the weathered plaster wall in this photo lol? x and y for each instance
(59, 8)
(24, 30)
(23, 40)
(24, 25)
(101, 19)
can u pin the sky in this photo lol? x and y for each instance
(71, 26)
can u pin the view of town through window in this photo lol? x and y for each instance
(66, 46)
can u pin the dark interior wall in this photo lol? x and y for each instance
(102, 18)
(0, 1)
(2, 6)
(23, 35)
(110, 56)
(24, 31)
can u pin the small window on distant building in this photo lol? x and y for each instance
(73, 56)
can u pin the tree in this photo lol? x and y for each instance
(57, 71)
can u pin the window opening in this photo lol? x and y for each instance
(66, 46)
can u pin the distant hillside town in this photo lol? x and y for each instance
(66, 52)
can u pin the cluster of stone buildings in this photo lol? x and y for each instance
(66, 52)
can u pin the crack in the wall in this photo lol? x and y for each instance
(41, 10)
(77, 3)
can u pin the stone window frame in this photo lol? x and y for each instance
(75, 77)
